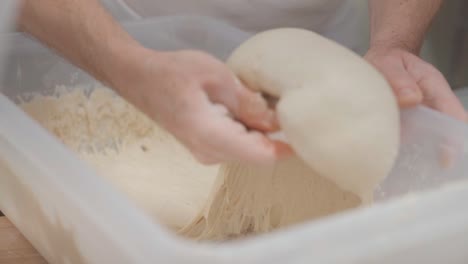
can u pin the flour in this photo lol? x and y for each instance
(161, 177)
(125, 147)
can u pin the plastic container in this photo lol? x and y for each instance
(71, 215)
(462, 94)
(7, 15)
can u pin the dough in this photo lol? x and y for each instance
(160, 176)
(257, 199)
(337, 112)
(124, 146)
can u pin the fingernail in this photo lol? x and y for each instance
(283, 150)
(408, 97)
(447, 157)
(407, 92)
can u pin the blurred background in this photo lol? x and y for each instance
(446, 44)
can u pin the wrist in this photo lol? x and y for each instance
(124, 68)
(395, 43)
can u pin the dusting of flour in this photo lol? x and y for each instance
(127, 148)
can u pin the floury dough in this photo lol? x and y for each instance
(337, 112)
(125, 147)
(160, 176)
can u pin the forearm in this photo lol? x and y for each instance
(82, 32)
(401, 23)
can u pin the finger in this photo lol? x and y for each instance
(445, 140)
(436, 91)
(255, 111)
(442, 99)
(402, 83)
(215, 137)
(439, 96)
(227, 142)
(250, 147)
(447, 156)
(247, 106)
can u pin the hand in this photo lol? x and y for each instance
(200, 101)
(415, 81)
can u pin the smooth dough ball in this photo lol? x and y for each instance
(337, 112)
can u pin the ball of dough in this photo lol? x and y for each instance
(338, 113)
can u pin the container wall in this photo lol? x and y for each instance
(69, 213)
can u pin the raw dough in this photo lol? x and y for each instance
(257, 199)
(336, 110)
(338, 113)
(127, 148)
(160, 176)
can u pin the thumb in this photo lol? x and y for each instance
(404, 86)
(435, 88)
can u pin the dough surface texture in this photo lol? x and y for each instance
(335, 110)
(125, 147)
(338, 113)
(160, 176)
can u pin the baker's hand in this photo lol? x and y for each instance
(200, 101)
(415, 81)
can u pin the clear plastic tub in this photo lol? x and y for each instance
(72, 215)
(462, 93)
(7, 15)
